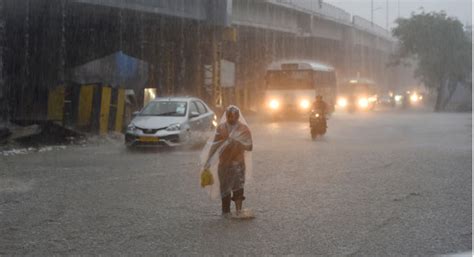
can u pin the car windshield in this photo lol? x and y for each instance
(356, 89)
(165, 108)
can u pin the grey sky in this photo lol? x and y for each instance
(462, 9)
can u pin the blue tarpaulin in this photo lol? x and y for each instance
(116, 70)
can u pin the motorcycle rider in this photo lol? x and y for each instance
(320, 106)
(317, 120)
(406, 100)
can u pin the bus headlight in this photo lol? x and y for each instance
(304, 104)
(274, 104)
(342, 102)
(363, 103)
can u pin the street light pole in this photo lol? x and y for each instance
(386, 24)
(398, 9)
(372, 12)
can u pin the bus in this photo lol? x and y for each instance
(292, 86)
(357, 94)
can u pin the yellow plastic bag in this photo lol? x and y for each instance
(206, 178)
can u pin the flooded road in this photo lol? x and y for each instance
(377, 184)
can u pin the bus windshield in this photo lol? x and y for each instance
(290, 79)
(356, 89)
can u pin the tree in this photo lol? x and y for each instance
(441, 48)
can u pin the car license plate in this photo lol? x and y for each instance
(149, 139)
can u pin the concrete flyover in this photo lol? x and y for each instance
(183, 43)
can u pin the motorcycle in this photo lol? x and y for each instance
(317, 123)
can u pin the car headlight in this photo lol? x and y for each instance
(363, 102)
(372, 99)
(274, 104)
(304, 104)
(174, 127)
(398, 98)
(342, 102)
(214, 121)
(414, 98)
(131, 128)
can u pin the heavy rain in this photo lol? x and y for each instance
(235, 127)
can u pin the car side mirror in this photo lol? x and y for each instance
(193, 115)
(135, 113)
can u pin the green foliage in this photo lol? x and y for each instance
(438, 43)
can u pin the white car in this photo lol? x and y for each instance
(171, 121)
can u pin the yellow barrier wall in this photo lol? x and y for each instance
(104, 110)
(86, 97)
(56, 104)
(120, 109)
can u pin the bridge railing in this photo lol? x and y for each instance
(335, 13)
(262, 16)
(195, 9)
(361, 23)
(316, 7)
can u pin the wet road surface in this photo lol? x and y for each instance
(378, 184)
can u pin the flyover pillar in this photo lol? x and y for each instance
(216, 53)
(3, 90)
(348, 53)
(35, 56)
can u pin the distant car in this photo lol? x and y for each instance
(170, 121)
(386, 101)
(357, 95)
